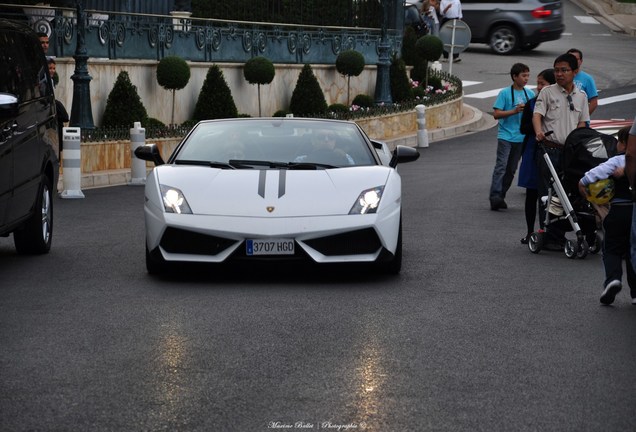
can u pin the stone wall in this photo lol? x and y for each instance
(158, 101)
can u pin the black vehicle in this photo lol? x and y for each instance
(29, 164)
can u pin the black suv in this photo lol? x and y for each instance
(510, 25)
(28, 140)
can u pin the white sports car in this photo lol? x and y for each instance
(275, 188)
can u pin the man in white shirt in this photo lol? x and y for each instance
(450, 10)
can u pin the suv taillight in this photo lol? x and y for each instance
(541, 12)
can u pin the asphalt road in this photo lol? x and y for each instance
(476, 334)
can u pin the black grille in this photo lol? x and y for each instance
(176, 240)
(358, 242)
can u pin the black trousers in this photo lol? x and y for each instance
(616, 247)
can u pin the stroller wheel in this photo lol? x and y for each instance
(535, 241)
(582, 249)
(597, 245)
(570, 249)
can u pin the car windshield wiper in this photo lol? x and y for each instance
(213, 164)
(308, 166)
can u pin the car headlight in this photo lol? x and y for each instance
(368, 201)
(174, 201)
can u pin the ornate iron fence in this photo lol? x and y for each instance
(118, 35)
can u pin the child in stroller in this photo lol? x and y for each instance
(565, 209)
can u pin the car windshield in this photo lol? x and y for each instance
(276, 143)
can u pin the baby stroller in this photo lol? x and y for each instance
(565, 209)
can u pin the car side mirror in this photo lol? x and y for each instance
(403, 154)
(9, 106)
(150, 153)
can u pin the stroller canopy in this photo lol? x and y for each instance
(584, 149)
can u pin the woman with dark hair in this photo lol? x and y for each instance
(529, 170)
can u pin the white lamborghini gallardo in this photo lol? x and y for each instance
(275, 188)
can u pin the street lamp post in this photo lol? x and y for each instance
(81, 111)
(383, 79)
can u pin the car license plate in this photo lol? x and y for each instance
(269, 247)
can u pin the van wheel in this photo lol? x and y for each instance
(504, 40)
(34, 237)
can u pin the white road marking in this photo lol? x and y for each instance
(489, 93)
(619, 98)
(470, 83)
(587, 19)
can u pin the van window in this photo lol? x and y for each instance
(22, 69)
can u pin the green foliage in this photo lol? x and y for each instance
(401, 89)
(173, 73)
(307, 98)
(429, 48)
(408, 46)
(123, 106)
(338, 108)
(259, 70)
(153, 123)
(215, 99)
(350, 63)
(418, 73)
(281, 113)
(363, 100)
(419, 92)
(435, 81)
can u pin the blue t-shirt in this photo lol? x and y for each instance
(585, 82)
(509, 126)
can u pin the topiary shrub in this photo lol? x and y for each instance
(259, 70)
(215, 99)
(350, 63)
(307, 98)
(401, 89)
(173, 73)
(364, 101)
(338, 108)
(408, 46)
(123, 106)
(428, 48)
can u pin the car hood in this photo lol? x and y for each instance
(271, 193)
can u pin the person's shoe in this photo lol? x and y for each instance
(524, 240)
(444, 60)
(457, 60)
(497, 203)
(610, 291)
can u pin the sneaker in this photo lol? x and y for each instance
(457, 60)
(503, 205)
(610, 291)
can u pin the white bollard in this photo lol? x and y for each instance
(71, 163)
(422, 133)
(137, 166)
(436, 66)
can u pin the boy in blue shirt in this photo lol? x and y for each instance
(584, 81)
(508, 109)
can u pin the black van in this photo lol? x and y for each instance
(29, 166)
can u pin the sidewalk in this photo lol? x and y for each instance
(619, 17)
